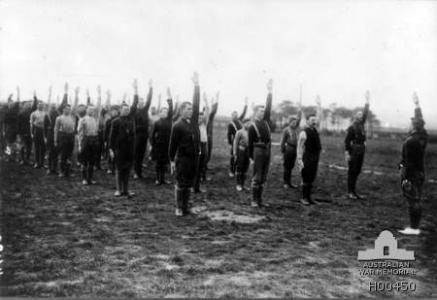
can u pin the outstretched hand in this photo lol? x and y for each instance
(246, 101)
(135, 85)
(318, 100)
(76, 90)
(195, 78)
(168, 93)
(270, 85)
(415, 98)
(367, 96)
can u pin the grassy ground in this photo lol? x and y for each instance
(63, 239)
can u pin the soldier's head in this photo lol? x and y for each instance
(40, 106)
(358, 116)
(81, 110)
(246, 123)
(67, 109)
(312, 120)
(124, 111)
(259, 112)
(163, 112)
(90, 111)
(234, 115)
(186, 110)
(292, 121)
(115, 110)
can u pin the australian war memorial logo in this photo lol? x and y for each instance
(387, 260)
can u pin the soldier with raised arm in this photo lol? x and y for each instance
(259, 145)
(184, 149)
(289, 146)
(308, 153)
(355, 147)
(121, 144)
(142, 132)
(235, 125)
(412, 168)
(160, 140)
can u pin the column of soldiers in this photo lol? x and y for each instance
(181, 137)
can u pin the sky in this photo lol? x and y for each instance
(335, 49)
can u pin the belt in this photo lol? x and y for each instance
(261, 145)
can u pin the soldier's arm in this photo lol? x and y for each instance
(196, 99)
(214, 108)
(158, 108)
(417, 111)
(174, 142)
(76, 99)
(49, 96)
(35, 102)
(319, 111)
(134, 106)
(206, 111)
(268, 108)
(170, 105)
(299, 114)
(99, 102)
(108, 99)
(366, 107)
(56, 129)
(18, 93)
(176, 113)
(149, 97)
(243, 113)
(88, 98)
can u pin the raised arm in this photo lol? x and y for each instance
(243, 113)
(35, 102)
(299, 114)
(158, 108)
(206, 110)
(319, 111)
(149, 97)
(214, 108)
(76, 99)
(88, 98)
(134, 107)
(18, 93)
(64, 98)
(108, 99)
(170, 105)
(56, 134)
(196, 99)
(99, 99)
(366, 107)
(268, 108)
(417, 111)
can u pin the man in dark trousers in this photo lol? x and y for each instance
(39, 125)
(160, 140)
(412, 168)
(355, 147)
(24, 131)
(121, 144)
(289, 146)
(235, 125)
(142, 132)
(308, 153)
(259, 146)
(64, 138)
(184, 149)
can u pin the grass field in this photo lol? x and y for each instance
(63, 239)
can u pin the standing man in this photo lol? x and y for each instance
(412, 168)
(289, 146)
(235, 125)
(39, 124)
(308, 153)
(24, 132)
(121, 144)
(161, 138)
(260, 147)
(241, 153)
(184, 149)
(88, 144)
(142, 132)
(64, 130)
(355, 147)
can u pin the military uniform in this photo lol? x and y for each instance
(413, 171)
(184, 150)
(259, 146)
(160, 141)
(355, 145)
(122, 141)
(233, 127)
(289, 149)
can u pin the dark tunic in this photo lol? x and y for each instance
(235, 125)
(161, 135)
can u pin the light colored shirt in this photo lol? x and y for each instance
(37, 118)
(203, 133)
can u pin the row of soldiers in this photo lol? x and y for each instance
(182, 137)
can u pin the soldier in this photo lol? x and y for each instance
(142, 132)
(88, 144)
(39, 125)
(289, 146)
(184, 149)
(412, 168)
(355, 147)
(121, 144)
(233, 127)
(241, 153)
(24, 133)
(260, 147)
(64, 130)
(308, 153)
(161, 138)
